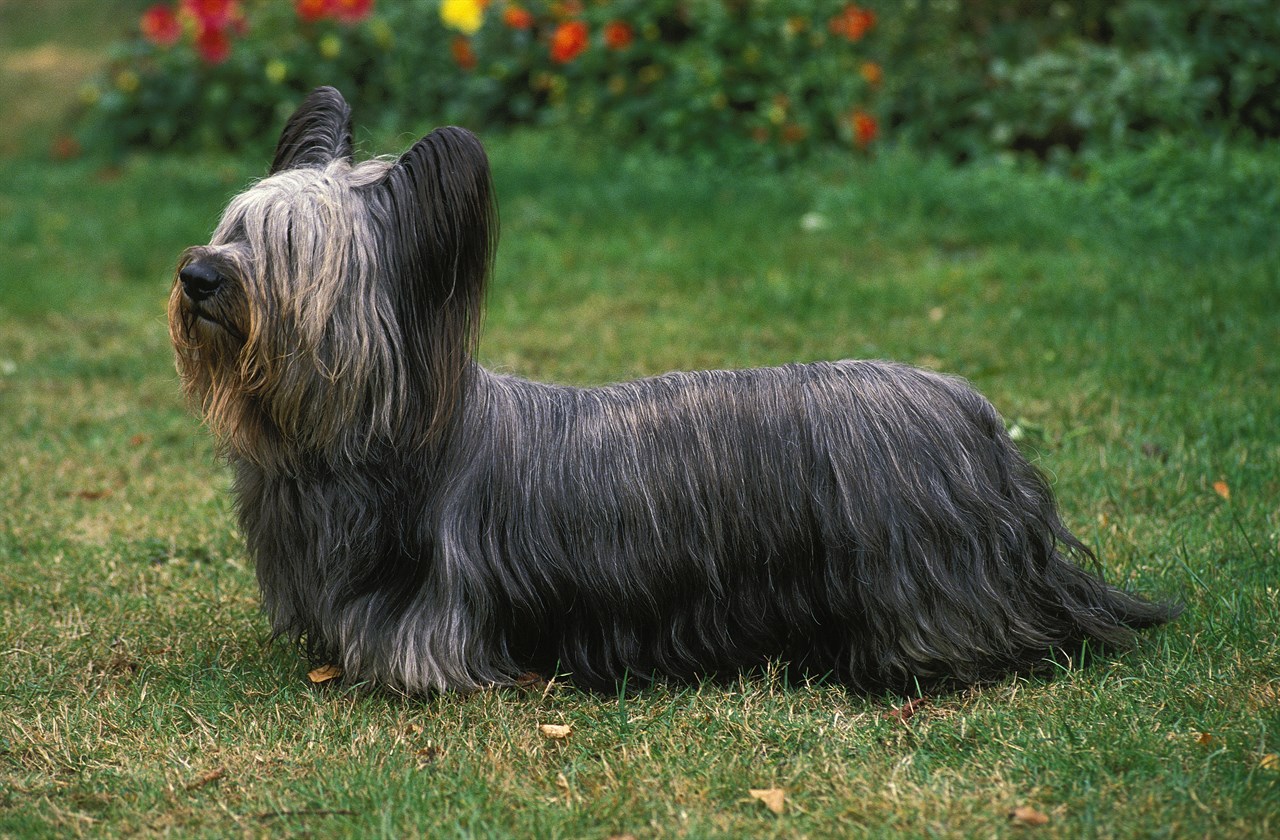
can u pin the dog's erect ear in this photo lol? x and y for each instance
(444, 212)
(318, 133)
(441, 227)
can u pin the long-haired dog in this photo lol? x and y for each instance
(428, 524)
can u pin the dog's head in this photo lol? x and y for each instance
(336, 307)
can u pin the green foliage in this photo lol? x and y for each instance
(1055, 80)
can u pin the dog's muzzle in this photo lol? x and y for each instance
(200, 281)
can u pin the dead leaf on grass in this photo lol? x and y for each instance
(324, 673)
(1221, 488)
(904, 713)
(531, 682)
(1270, 761)
(1204, 739)
(775, 799)
(1026, 815)
(207, 778)
(555, 731)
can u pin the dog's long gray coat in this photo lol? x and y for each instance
(428, 524)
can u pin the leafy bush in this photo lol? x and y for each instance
(1057, 79)
(737, 79)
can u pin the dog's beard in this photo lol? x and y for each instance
(203, 324)
(210, 339)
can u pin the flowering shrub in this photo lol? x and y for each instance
(223, 73)
(740, 79)
(747, 79)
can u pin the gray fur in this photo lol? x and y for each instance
(428, 524)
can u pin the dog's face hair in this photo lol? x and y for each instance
(336, 306)
(428, 524)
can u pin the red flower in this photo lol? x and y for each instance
(160, 26)
(517, 17)
(853, 22)
(351, 11)
(313, 10)
(568, 41)
(865, 128)
(462, 53)
(213, 44)
(618, 35)
(214, 14)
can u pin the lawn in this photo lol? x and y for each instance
(1126, 325)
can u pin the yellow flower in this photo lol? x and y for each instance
(127, 81)
(330, 46)
(466, 16)
(382, 34)
(276, 70)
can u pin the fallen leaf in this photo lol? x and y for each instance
(904, 713)
(775, 799)
(1270, 761)
(92, 495)
(555, 731)
(207, 779)
(1204, 739)
(324, 673)
(1026, 815)
(1221, 488)
(530, 681)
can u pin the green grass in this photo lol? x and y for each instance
(1128, 323)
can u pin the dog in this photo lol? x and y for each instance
(427, 524)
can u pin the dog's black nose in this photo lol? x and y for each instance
(199, 280)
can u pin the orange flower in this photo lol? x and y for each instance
(160, 26)
(568, 41)
(618, 35)
(312, 10)
(853, 22)
(865, 128)
(517, 17)
(871, 73)
(462, 53)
